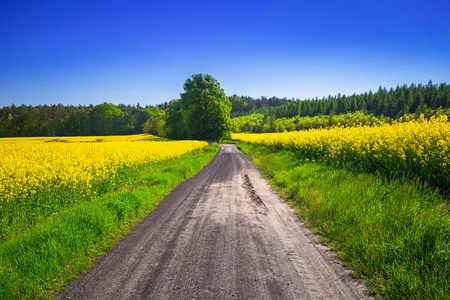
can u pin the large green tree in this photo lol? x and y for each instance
(202, 113)
(152, 121)
(106, 119)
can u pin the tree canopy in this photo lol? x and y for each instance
(202, 113)
(106, 119)
(152, 121)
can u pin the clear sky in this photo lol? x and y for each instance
(130, 51)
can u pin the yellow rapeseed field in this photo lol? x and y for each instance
(31, 164)
(416, 149)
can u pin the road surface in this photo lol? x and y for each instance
(223, 234)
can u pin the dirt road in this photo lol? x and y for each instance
(223, 234)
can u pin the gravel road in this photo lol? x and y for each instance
(223, 234)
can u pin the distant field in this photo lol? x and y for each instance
(418, 149)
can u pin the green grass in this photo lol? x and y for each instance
(396, 235)
(37, 262)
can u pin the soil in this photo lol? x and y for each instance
(223, 234)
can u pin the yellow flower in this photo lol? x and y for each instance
(384, 146)
(30, 164)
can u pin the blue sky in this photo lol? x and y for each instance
(89, 52)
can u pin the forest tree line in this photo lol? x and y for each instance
(61, 120)
(110, 119)
(391, 103)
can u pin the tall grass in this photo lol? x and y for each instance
(396, 235)
(37, 262)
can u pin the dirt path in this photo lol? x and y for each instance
(223, 234)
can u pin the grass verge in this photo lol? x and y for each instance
(396, 235)
(37, 263)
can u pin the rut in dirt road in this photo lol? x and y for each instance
(223, 234)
